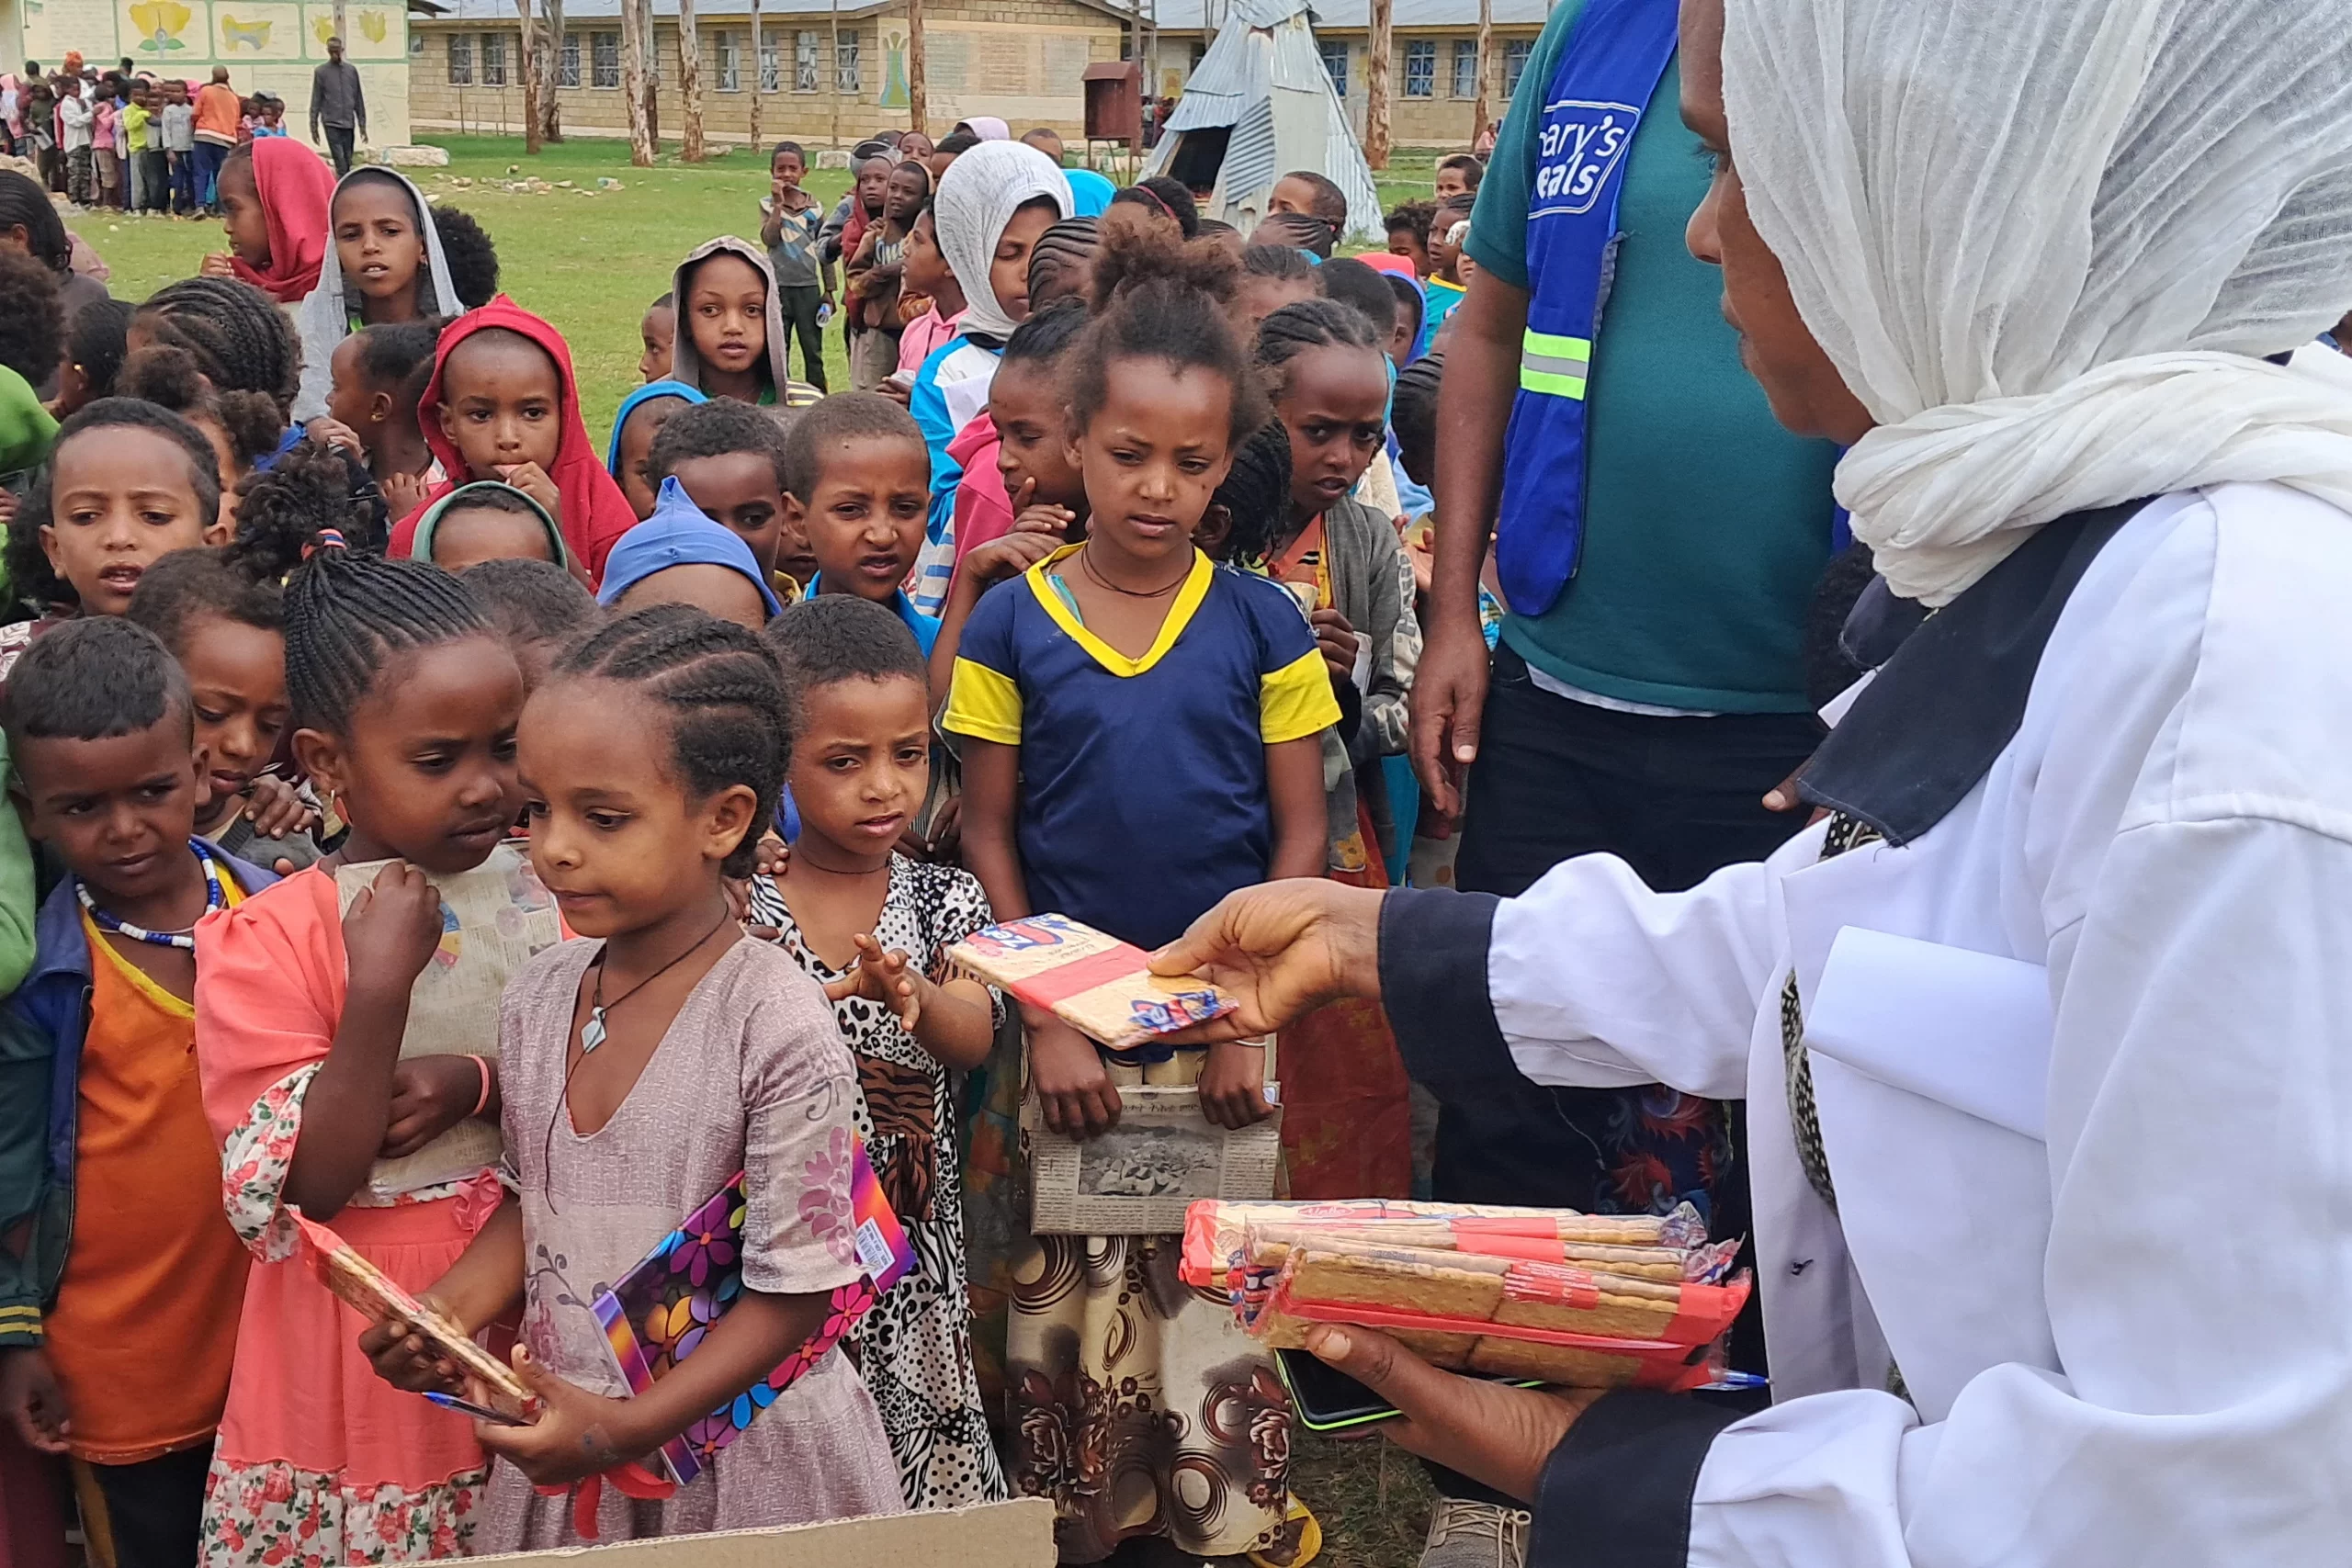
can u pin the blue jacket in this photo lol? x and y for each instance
(41, 1030)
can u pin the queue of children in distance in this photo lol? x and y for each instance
(1098, 606)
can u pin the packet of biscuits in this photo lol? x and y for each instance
(1091, 980)
(1221, 1238)
(1581, 1327)
(364, 1288)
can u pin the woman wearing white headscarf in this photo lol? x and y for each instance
(334, 309)
(2043, 1032)
(993, 202)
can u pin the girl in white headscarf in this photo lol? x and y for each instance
(2043, 1032)
(993, 202)
(383, 263)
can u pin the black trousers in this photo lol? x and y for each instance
(1676, 800)
(800, 303)
(154, 1507)
(339, 140)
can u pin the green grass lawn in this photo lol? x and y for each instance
(589, 264)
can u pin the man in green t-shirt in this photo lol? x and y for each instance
(1648, 707)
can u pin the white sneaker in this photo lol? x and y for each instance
(1465, 1534)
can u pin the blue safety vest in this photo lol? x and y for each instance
(1608, 73)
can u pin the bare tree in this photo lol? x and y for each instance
(1485, 67)
(652, 71)
(916, 108)
(690, 82)
(633, 84)
(550, 108)
(531, 63)
(1382, 45)
(759, 72)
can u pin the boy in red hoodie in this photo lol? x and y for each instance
(503, 404)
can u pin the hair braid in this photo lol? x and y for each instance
(242, 341)
(1290, 331)
(731, 720)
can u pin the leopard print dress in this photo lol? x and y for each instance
(915, 1347)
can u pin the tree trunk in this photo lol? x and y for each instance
(530, 63)
(633, 85)
(1486, 69)
(833, 87)
(1375, 85)
(550, 102)
(690, 82)
(652, 38)
(916, 109)
(759, 73)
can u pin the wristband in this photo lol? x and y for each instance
(482, 1101)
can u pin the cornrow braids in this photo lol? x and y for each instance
(1310, 323)
(1159, 298)
(1287, 262)
(29, 576)
(1413, 415)
(1057, 262)
(347, 613)
(731, 719)
(240, 338)
(1256, 496)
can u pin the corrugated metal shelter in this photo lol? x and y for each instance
(1259, 105)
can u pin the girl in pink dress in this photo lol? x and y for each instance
(643, 1070)
(404, 702)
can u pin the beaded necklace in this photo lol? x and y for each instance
(215, 896)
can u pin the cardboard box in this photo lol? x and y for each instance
(993, 1535)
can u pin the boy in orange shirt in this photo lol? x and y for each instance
(120, 1281)
(220, 115)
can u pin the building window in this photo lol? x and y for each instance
(493, 59)
(1200, 51)
(730, 73)
(604, 60)
(461, 59)
(1420, 67)
(846, 72)
(1515, 53)
(416, 41)
(1465, 68)
(567, 70)
(771, 53)
(1335, 63)
(806, 53)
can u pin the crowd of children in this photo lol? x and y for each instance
(325, 597)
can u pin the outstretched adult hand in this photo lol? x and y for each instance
(1282, 948)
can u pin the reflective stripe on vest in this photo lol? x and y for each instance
(1553, 365)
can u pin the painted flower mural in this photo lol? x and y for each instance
(235, 34)
(373, 26)
(160, 24)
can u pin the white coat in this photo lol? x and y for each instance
(2082, 1061)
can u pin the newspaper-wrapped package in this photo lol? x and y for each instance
(1143, 1176)
(493, 917)
(363, 1287)
(1098, 985)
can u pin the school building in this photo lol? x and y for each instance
(1432, 64)
(269, 46)
(820, 67)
